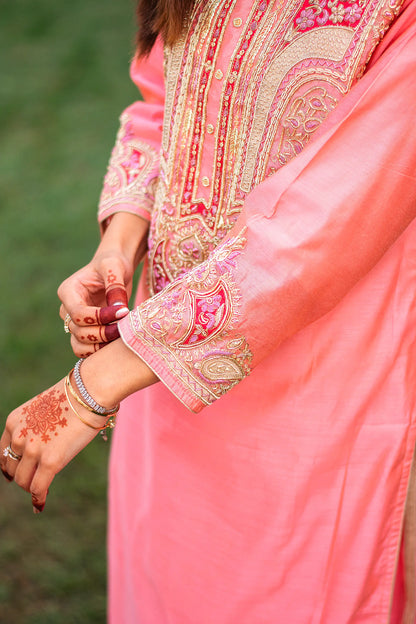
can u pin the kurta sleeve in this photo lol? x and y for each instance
(306, 236)
(134, 162)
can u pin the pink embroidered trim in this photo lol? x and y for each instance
(315, 13)
(132, 172)
(190, 326)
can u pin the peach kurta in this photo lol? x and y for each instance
(274, 156)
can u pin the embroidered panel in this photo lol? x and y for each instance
(131, 174)
(247, 87)
(191, 326)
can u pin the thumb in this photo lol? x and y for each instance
(115, 288)
(115, 294)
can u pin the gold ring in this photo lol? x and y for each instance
(67, 321)
(9, 452)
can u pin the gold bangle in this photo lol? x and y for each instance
(110, 424)
(76, 397)
(81, 401)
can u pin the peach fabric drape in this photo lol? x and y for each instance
(284, 500)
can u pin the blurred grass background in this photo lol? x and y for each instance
(63, 83)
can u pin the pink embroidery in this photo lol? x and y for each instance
(131, 172)
(192, 325)
(315, 13)
(210, 311)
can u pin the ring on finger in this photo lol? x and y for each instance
(9, 452)
(67, 321)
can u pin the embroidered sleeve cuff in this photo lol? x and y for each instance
(162, 364)
(189, 332)
(132, 172)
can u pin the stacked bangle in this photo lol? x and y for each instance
(110, 424)
(90, 402)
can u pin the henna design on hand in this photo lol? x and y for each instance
(106, 315)
(39, 506)
(116, 295)
(44, 414)
(111, 332)
(115, 291)
(111, 278)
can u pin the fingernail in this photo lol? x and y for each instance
(116, 294)
(122, 312)
(37, 509)
(6, 475)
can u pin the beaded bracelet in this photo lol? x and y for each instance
(96, 408)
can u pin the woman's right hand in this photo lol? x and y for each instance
(96, 297)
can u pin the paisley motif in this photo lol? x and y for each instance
(191, 325)
(234, 119)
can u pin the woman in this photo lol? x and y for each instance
(270, 174)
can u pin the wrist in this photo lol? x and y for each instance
(81, 410)
(114, 372)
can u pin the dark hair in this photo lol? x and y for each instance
(161, 17)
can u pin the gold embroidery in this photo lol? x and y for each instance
(291, 64)
(220, 368)
(191, 326)
(131, 174)
(313, 44)
(302, 119)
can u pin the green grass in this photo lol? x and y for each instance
(63, 83)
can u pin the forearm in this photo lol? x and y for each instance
(125, 233)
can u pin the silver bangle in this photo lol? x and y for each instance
(99, 409)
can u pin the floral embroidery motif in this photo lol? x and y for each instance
(192, 325)
(291, 64)
(315, 13)
(132, 171)
(302, 119)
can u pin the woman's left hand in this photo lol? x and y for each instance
(40, 438)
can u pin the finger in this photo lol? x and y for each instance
(26, 469)
(116, 294)
(88, 316)
(115, 287)
(4, 443)
(40, 484)
(96, 334)
(82, 350)
(112, 313)
(12, 462)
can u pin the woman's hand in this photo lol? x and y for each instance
(96, 297)
(46, 435)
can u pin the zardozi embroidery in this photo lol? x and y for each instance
(289, 66)
(131, 174)
(192, 326)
